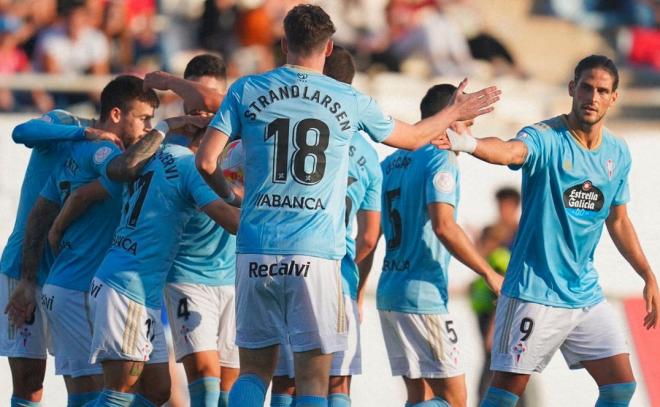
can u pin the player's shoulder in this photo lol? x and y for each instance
(60, 116)
(615, 142)
(545, 127)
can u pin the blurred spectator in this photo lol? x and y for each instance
(603, 14)
(131, 24)
(420, 27)
(12, 58)
(508, 209)
(217, 30)
(71, 46)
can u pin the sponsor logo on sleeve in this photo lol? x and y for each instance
(444, 182)
(102, 154)
(584, 199)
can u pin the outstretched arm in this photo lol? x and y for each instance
(197, 96)
(459, 245)
(39, 132)
(364, 268)
(464, 106)
(625, 238)
(75, 205)
(22, 302)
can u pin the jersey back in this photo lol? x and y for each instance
(362, 193)
(207, 254)
(155, 209)
(296, 126)
(414, 278)
(45, 157)
(86, 240)
(567, 193)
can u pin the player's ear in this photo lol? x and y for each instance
(284, 46)
(615, 96)
(571, 88)
(328, 48)
(115, 115)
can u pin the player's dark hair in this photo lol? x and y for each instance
(436, 99)
(206, 65)
(66, 7)
(307, 28)
(122, 91)
(340, 65)
(507, 193)
(597, 61)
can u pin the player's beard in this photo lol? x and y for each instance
(586, 121)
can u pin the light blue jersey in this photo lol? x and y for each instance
(207, 254)
(86, 240)
(567, 193)
(296, 126)
(414, 277)
(155, 209)
(363, 193)
(50, 138)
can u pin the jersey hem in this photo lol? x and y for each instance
(131, 296)
(600, 299)
(279, 252)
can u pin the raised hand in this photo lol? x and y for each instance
(96, 134)
(471, 105)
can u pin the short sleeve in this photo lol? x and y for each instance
(50, 190)
(536, 150)
(441, 179)
(194, 185)
(372, 120)
(372, 196)
(622, 195)
(228, 117)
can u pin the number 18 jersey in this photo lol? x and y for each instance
(296, 126)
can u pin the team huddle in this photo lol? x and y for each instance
(239, 219)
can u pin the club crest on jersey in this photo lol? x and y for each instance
(518, 350)
(583, 199)
(444, 182)
(101, 154)
(610, 168)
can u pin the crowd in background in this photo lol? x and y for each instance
(136, 36)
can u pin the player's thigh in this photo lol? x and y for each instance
(193, 311)
(121, 375)
(260, 298)
(422, 345)
(315, 309)
(527, 334)
(598, 343)
(228, 376)
(29, 341)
